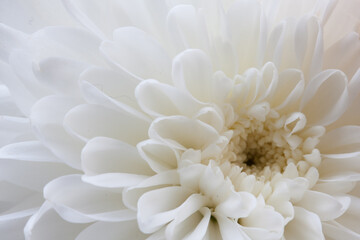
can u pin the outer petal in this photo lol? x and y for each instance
(158, 99)
(316, 104)
(83, 121)
(158, 207)
(305, 225)
(47, 224)
(183, 132)
(112, 231)
(325, 206)
(192, 70)
(80, 202)
(47, 118)
(132, 48)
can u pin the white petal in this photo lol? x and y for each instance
(211, 181)
(351, 217)
(22, 64)
(194, 227)
(118, 86)
(237, 205)
(344, 54)
(334, 187)
(243, 19)
(305, 225)
(212, 116)
(101, 19)
(192, 70)
(158, 207)
(32, 174)
(324, 205)
(80, 202)
(66, 42)
(112, 231)
(158, 99)
(106, 155)
(335, 231)
(27, 151)
(29, 16)
(159, 156)
(131, 195)
(60, 75)
(263, 223)
(183, 132)
(309, 46)
(13, 229)
(10, 39)
(132, 48)
(47, 118)
(13, 129)
(186, 28)
(7, 105)
(114, 180)
(340, 140)
(280, 46)
(230, 229)
(88, 121)
(47, 224)
(289, 90)
(317, 105)
(336, 165)
(22, 97)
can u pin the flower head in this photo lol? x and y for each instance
(197, 120)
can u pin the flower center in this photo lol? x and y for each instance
(253, 147)
(265, 146)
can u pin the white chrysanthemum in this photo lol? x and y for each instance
(180, 120)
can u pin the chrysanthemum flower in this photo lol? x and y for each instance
(180, 120)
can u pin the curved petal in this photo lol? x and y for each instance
(107, 155)
(112, 231)
(47, 119)
(11, 39)
(133, 47)
(97, 17)
(60, 75)
(158, 155)
(237, 205)
(183, 132)
(317, 105)
(340, 140)
(27, 151)
(263, 223)
(118, 86)
(29, 16)
(324, 205)
(32, 174)
(344, 54)
(186, 28)
(158, 99)
(131, 195)
(305, 225)
(194, 227)
(230, 229)
(158, 207)
(80, 202)
(66, 42)
(192, 70)
(335, 231)
(244, 19)
(47, 224)
(83, 121)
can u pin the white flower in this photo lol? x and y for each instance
(180, 120)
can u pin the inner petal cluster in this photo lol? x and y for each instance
(264, 146)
